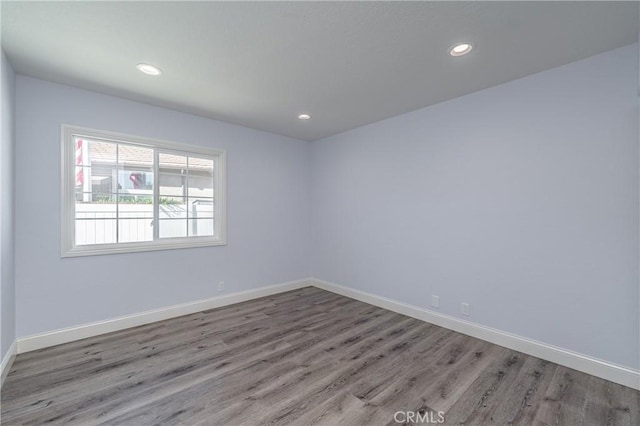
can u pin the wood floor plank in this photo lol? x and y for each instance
(477, 404)
(565, 400)
(624, 406)
(305, 357)
(520, 400)
(339, 409)
(392, 387)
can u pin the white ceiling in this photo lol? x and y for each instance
(260, 64)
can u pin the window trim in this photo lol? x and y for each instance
(67, 240)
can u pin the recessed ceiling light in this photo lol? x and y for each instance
(149, 69)
(304, 117)
(460, 49)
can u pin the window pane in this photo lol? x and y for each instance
(135, 193)
(200, 207)
(144, 200)
(89, 151)
(203, 164)
(171, 228)
(98, 210)
(96, 180)
(200, 227)
(135, 218)
(132, 229)
(172, 162)
(135, 158)
(134, 181)
(173, 174)
(172, 208)
(172, 212)
(99, 194)
(95, 223)
(200, 185)
(95, 231)
(135, 170)
(102, 152)
(95, 201)
(173, 184)
(95, 169)
(200, 181)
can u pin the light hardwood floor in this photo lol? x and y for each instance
(303, 357)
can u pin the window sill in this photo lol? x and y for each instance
(122, 248)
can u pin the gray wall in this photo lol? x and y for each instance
(7, 143)
(268, 214)
(521, 200)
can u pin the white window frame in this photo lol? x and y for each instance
(68, 246)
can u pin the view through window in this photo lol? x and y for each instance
(125, 192)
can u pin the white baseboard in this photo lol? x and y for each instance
(616, 373)
(7, 361)
(65, 335)
(596, 367)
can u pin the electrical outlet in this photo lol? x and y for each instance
(435, 301)
(220, 285)
(465, 309)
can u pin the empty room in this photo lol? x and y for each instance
(320, 213)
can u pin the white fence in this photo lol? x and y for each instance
(98, 223)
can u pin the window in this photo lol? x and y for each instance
(124, 193)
